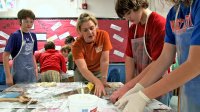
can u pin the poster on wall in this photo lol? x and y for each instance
(2, 5)
(10, 4)
(58, 29)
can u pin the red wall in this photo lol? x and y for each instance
(44, 26)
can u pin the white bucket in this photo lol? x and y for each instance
(83, 103)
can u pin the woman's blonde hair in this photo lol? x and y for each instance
(84, 17)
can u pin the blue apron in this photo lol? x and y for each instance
(190, 92)
(23, 65)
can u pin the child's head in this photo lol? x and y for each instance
(25, 14)
(124, 6)
(49, 45)
(65, 50)
(69, 40)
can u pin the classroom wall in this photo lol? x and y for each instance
(72, 8)
(63, 8)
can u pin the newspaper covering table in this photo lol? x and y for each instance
(50, 98)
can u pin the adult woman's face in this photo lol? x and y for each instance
(88, 31)
(134, 16)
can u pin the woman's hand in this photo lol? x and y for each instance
(99, 88)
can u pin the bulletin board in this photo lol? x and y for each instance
(57, 29)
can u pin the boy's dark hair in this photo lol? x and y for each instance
(24, 13)
(123, 6)
(66, 48)
(69, 39)
(49, 45)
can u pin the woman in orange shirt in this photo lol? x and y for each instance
(91, 53)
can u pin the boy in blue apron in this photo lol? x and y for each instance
(183, 37)
(21, 46)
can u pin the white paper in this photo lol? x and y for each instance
(58, 47)
(72, 22)
(118, 53)
(52, 38)
(33, 27)
(115, 27)
(2, 49)
(56, 26)
(157, 105)
(117, 37)
(4, 35)
(2, 42)
(64, 35)
(41, 36)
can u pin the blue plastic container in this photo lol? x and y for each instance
(116, 72)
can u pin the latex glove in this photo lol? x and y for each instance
(135, 102)
(122, 92)
(136, 88)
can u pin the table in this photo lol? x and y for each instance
(50, 100)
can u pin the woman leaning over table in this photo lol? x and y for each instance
(91, 53)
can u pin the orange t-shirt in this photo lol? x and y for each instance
(91, 52)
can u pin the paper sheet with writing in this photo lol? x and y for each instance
(41, 36)
(72, 22)
(2, 49)
(118, 53)
(2, 42)
(56, 26)
(115, 27)
(4, 35)
(117, 37)
(52, 38)
(64, 35)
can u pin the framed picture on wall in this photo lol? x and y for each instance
(10, 4)
(2, 5)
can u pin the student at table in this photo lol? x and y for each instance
(21, 46)
(182, 37)
(52, 64)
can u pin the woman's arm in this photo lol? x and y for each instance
(104, 63)
(82, 66)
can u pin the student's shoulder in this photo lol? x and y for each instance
(15, 35)
(157, 17)
(171, 14)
